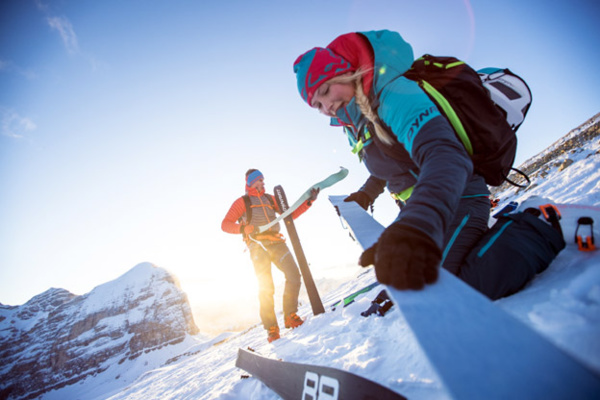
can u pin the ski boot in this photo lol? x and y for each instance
(293, 321)
(273, 334)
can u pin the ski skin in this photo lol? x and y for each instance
(478, 350)
(311, 382)
(325, 183)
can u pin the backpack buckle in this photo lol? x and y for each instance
(585, 243)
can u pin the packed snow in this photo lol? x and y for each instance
(562, 304)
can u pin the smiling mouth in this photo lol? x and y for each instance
(333, 111)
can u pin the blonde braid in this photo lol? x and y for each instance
(365, 107)
(364, 104)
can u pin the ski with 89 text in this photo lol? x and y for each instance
(311, 382)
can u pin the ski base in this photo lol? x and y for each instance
(311, 382)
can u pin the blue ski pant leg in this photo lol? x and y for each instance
(282, 258)
(470, 223)
(266, 289)
(515, 249)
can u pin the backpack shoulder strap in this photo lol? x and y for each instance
(421, 70)
(270, 198)
(248, 205)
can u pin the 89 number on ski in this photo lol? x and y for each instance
(320, 387)
(294, 381)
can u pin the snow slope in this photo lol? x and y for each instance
(563, 304)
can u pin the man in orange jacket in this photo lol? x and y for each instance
(246, 214)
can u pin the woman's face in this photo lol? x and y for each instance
(329, 98)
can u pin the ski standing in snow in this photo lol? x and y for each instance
(429, 130)
(247, 213)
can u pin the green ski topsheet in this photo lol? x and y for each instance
(325, 183)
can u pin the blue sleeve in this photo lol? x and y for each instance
(445, 169)
(373, 187)
(405, 108)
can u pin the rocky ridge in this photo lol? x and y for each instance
(557, 156)
(57, 338)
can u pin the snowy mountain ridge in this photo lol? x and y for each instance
(558, 156)
(58, 339)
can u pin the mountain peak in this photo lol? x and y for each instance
(58, 338)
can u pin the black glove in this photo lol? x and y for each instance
(404, 257)
(361, 198)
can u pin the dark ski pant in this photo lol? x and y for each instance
(511, 253)
(278, 254)
(469, 225)
(507, 266)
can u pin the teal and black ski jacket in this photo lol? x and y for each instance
(428, 153)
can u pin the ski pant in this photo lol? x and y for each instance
(278, 254)
(470, 223)
(512, 258)
(518, 246)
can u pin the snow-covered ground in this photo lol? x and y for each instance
(562, 303)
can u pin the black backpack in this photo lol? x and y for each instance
(479, 123)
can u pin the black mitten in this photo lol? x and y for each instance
(404, 257)
(361, 198)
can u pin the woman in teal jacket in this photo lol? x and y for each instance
(402, 137)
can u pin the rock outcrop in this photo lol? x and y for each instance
(558, 156)
(58, 338)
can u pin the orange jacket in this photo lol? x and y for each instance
(231, 223)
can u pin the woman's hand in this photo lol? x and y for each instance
(404, 258)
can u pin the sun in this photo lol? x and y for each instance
(225, 298)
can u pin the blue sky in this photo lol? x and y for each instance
(127, 126)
